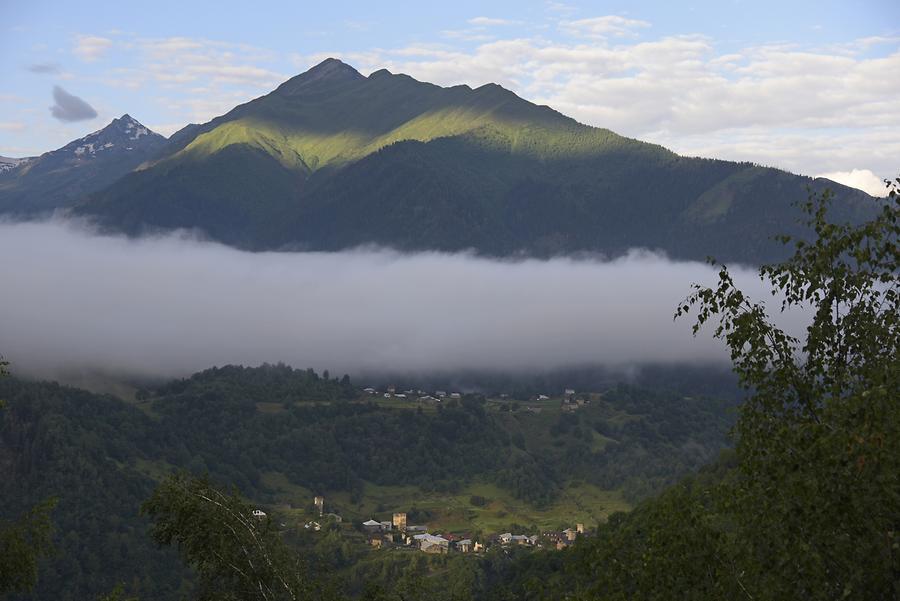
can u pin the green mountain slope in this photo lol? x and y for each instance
(332, 159)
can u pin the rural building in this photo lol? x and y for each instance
(429, 543)
(399, 521)
(319, 502)
(371, 526)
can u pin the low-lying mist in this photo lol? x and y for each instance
(75, 301)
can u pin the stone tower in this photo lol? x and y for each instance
(319, 502)
(399, 521)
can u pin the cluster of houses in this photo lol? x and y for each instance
(397, 532)
(420, 395)
(570, 402)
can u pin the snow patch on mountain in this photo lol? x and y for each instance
(9, 163)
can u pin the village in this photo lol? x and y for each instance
(386, 528)
(569, 400)
(398, 533)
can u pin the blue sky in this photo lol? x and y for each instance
(808, 86)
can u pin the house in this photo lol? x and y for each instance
(392, 389)
(371, 526)
(412, 529)
(259, 514)
(569, 392)
(455, 395)
(464, 545)
(316, 526)
(543, 397)
(400, 396)
(429, 543)
(386, 526)
(570, 534)
(518, 539)
(376, 542)
(478, 547)
(440, 394)
(579, 528)
(521, 539)
(369, 390)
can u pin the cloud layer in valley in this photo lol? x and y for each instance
(67, 107)
(168, 306)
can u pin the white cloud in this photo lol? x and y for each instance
(862, 179)
(490, 21)
(603, 27)
(306, 309)
(90, 47)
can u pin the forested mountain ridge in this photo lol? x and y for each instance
(332, 159)
(263, 427)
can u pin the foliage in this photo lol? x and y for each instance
(23, 543)
(117, 594)
(102, 457)
(236, 555)
(809, 505)
(816, 499)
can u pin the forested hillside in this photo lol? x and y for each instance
(272, 430)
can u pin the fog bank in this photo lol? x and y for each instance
(169, 306)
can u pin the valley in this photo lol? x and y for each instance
(474, 465)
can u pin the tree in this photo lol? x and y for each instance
(237, 555)
(813, 509)
(4, 371)
(23, 543)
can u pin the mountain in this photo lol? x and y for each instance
(58, 178)
(332, 159)
(8, 163)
